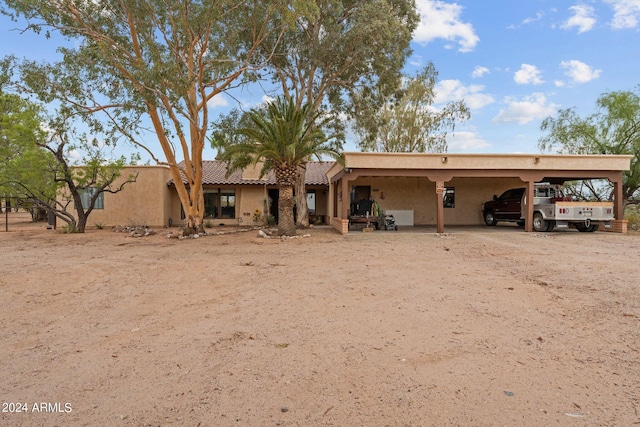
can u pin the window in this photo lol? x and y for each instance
(311, 202)
(87, 194)
(228, 204)
(218, 203)
(449, 197)
(211, 205)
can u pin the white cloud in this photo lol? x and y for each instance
(74, 156)
(526, 21)
(626, 13)
(479, 72)
(528, 74)
(538, 17)
(454, 90)
(440, 20)
(559, 83)
(464, 142)
(523, 111)
(266, 99)
(583, 18)
(579, 72)
(218, 101)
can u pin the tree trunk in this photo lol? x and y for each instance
(302, 212)
(82, 223)
(194, 220)
(286, 223)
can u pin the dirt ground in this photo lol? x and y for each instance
(481, 327)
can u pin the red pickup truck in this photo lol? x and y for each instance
(507, 207)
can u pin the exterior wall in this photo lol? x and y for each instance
(144, 202)
(419, 195)
(470, 193)
(174, 210)
(248, 199)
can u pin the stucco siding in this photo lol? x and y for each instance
(419, 195)
(144, 202)
(249, 199)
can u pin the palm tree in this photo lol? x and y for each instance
(281, 137)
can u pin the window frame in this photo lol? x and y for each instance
(86, 194)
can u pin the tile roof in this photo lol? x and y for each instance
(214, 173)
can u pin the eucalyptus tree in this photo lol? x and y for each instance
(409, 123)
(326, 57)
(280, 138)
(159, 63)
(613, 129)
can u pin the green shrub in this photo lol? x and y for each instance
(632, 215)
(208, 224)
(70, 228)
(99, 225)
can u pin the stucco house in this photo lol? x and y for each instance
(152, 200)
(418, 189)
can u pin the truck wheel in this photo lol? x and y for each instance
(580, 227)
(539, 224)
(592, 228)
(489, 219)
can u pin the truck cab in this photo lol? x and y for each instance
(506, 207)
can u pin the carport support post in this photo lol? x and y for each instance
(344, 187)
(440, 207)
(618, 198)
(528, 219)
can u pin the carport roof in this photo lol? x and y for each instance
(444, 164)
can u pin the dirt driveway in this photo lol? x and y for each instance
(369, 329)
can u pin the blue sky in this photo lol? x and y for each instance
(513, 62)
(518, 62)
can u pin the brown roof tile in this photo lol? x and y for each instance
(214, 173)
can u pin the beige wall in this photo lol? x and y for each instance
(419, 195)
(150, 201)
(144, 202)
(248, 199)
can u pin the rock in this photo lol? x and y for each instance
(262, 234)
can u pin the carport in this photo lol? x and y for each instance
(433, 173)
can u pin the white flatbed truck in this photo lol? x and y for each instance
(552, 210)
